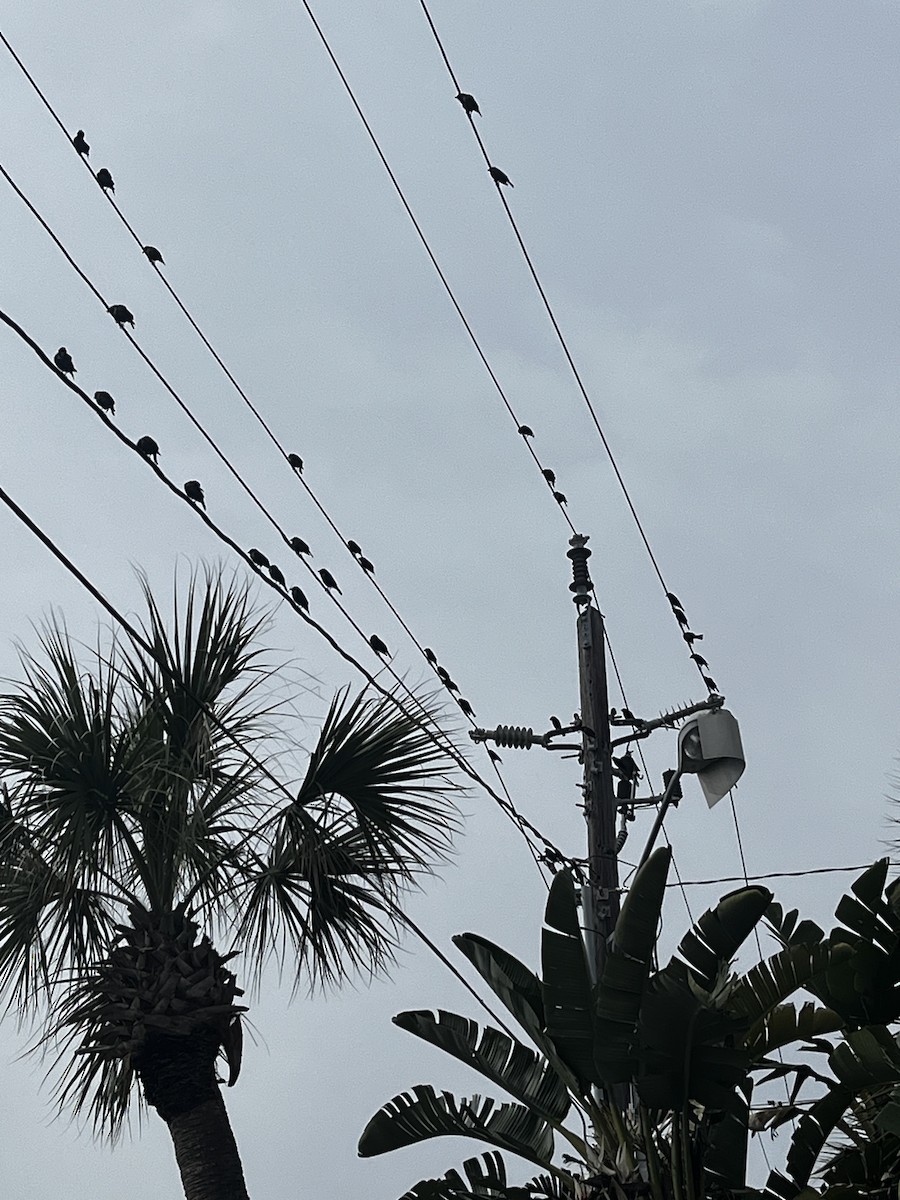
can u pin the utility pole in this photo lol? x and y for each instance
(600, 896)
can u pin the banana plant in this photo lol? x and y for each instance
(681, 1042)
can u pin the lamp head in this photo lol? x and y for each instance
(709, 746)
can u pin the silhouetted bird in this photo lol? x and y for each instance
(690, 638)
(559, 498)
(106, 180)
(329, 580)
(494, 756)
(354, 548)
(556, 723)
(148, 447)
(194, 491)
(154, 255)
(80, 144)
(681, 618)
(275, 573)
(469, 103)
(296, 462)
(549, 476)
(628, 714)
(299, 546)
(627, 766)
(257, 558)
(299, 599)
(526, 431)
(366, 565)
(442, 674)
(450, 685)
(431, 656)
(106, 402)
(63, 360)
(121, 315)
(710, 683)
(499, 176)
(673, 600)
(699, 660)
(466, 707)
(378, 645)
(612, 714)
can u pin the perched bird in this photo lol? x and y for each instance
(194, 491)
(299, 599)
(106, 402)
(559, 498)
(710, 683)
(154, 255)
(466, 707)
(699, 660)
(257, 558)
(673, 600)
(494, 756)
(354, 548)
(299, 546)
(526, 431)
(443, 674)
(366, 565)
(469, 103)
(106, 180)
(681, 618)
(148, 447)
(690, 638)
(329, 580)
(556, 723)
(499, 176)
(63, 360)
(121, 315)
(450, 685)
(612, 714)
(628, 715)
(80, 144)
(296, 462)
(275, 574)
(627, 766)
(549, 476)
(431, 656)
(378, 645)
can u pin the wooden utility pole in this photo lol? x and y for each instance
(601, 893)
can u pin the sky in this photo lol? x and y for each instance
(707, 189)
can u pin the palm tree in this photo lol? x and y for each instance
(143, 826)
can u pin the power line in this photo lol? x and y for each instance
(779, 875)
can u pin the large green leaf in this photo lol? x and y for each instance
(525, 1075)
(485, 1179)
(424, 1113)
(567, 991)
(721, 931)
(785, 1024)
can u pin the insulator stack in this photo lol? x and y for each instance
(581, 584)
(514, 736)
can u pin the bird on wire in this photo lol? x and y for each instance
(690, 638)
(154, 255)
(549, 476)
(296, 462)
(105, 401)
(560, 498)
(106, 180)
(681, 618)
(257, 558)
(450, 685)
(378, 646)
(63, 360)
(329, 580)
(673, 600)
(629, 716)
(194, 492)
(299, 599)
(556, 723)
(276, 575)
(147, 447)
(431, 656)
(500, 177)
(443, 674)
(699, 660)
(80, 144)
(298, 546)
(526, 431)
(367, 566)
(354, 548)
(466, 707)
(121, 315)
(469, 103)
(710, 683)
(494, 756)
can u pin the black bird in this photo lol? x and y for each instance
(275, 573)
(63, 360)
(296, 462)
(710, 683)
(450, 685)
(549, 476)
(257, 558)
(469, 103)
(106, 180)
(627, 766)
(354, 548)
(681, 618)
(612, 714)
(699, 660)
(526, 431)
(499, 176)
(628, 715)
(442, 674)
(378, 645)
(148, 447)
(106, 402)
(556, 723)
(366, 565)
(673, 600)
(559, 498)
(690, 638)
(121, 315)
(80, 144)
(154, 255)
(466, 707)
(329, 580)
(194, 491)
(431, 656)
(299, 599)
(299, 546)
(494, 756)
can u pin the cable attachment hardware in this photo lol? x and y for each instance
(515, 737)
(581, 584)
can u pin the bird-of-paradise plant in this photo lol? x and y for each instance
(143, 843)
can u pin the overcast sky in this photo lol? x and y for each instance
(708, 190)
